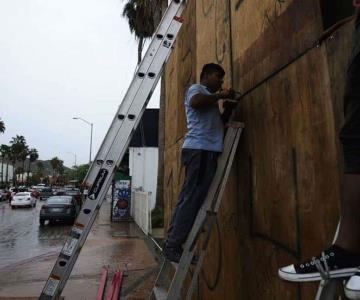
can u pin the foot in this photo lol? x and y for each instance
(334, 262)
(174, 254)
(352, 287)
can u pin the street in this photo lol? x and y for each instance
(22, 238)
(28, 252)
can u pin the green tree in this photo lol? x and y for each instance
(81, 171)
(2, 126)
(18, 150)
(33, 156)
(4, 152)
(57, 166)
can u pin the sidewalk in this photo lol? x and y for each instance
(119, 245)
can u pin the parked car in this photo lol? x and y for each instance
(45, 193)
(23, 199)
(75, 193)
(59, 208)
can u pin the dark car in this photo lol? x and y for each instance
(45, 193)
(76, 194)
(59, 208)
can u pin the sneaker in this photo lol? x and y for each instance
(352, 287)
(334, 262)
(174, 254)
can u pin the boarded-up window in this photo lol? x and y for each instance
(335, 10)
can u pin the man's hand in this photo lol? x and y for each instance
(226, 94)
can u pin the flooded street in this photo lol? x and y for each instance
(22, 237)
(28, 252)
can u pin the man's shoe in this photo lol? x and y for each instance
(334, 262)
(174, 254)
(352, 287)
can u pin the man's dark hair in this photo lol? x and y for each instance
(211, 68)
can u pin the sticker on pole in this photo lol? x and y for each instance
(98, 183)
(51, 286)
(69, 246)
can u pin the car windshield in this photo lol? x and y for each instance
(22, 194)
(59, 200)
(47, 190)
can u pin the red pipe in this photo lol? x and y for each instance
(118, 284)
(102, 285)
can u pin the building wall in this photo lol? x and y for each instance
(143, 164)
(3, 172)
(281, 203)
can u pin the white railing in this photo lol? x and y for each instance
(141, 210)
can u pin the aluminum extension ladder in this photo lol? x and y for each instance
(171, 277)
(115, 144)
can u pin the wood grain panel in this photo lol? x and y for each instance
(289, 175)
(267, 34)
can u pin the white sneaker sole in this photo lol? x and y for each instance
(352, 294)
(294, 277)
(352, 287)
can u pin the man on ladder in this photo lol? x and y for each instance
(203, 143)
(342, 259)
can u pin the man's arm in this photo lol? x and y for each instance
(201, 101)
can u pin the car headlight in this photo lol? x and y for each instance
(68, 211)
(29, 198)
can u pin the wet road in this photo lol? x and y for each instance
(28, 253)
(22, 238)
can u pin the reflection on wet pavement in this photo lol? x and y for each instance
(21, 236)
(28, 253)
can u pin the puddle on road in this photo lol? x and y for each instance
(22, 237)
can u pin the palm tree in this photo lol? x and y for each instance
(57, 166)
(3, 152)
(18, 150)
(2, 126)
(5, 155)
(22, 158)
(33, 156)
(139, 14)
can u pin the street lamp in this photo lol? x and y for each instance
(91, 132)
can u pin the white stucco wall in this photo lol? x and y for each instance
(143, 164)
(3, 174)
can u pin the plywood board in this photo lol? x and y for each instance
(267, 34)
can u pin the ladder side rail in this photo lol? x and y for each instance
(123, 138)
(211, 222)
(174, 9)
(185, 261)
(60, 271)
(142, 98)
(71, 249)
(83, 237)
(138, 81)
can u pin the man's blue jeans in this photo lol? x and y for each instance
(200, 168)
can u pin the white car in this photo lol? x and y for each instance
(23, 199)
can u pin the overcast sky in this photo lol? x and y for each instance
(60, 59)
